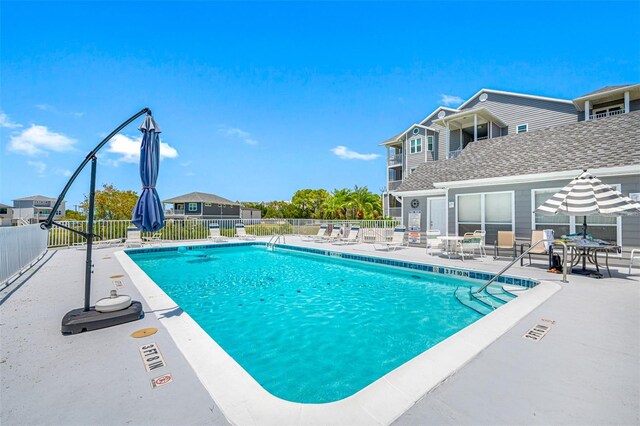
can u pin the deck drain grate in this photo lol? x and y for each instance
(537, 332)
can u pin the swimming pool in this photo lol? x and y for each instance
(243, 400)
(310, 328)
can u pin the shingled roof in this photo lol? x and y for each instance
(605, 89)
(200, 197)
(607, 142)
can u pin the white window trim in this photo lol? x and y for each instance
(432, 143)
(416, 151)
(482, 219)
(195, 209)
(526, 128)
(572, 219)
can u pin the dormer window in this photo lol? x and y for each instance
(523, 128)
(415, 145)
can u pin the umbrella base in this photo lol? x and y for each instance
(79, 320)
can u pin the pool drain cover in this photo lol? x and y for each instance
(537, 332)
(144, 332)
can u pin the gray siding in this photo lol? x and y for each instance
(523, 207)
(515, 110)
(226, 210)
(634, 105)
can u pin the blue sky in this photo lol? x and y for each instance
(257, 100)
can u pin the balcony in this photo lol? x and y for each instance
(393, 185)
(454, 154)
(174, 212)
(606, 114)
(395, 160)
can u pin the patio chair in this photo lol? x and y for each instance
(334, 236)
(483, 246)
(538, 250)
(115, 242)
(241, 233)
(434, 242)
(214, 233)
(397, 241)
(506, 241)
(352, 238)
(134, 238)
(321, 234)
(471, 242)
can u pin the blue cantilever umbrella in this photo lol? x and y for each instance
(147, 214)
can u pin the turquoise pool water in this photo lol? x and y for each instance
(310, 328)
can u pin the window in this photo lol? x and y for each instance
(604, 228)
(208, 204)
(429, 143)
(193, 207)
(490, 212)
(522, 128)
(416, 145)
(3, 211)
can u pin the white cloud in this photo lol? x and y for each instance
(449, 100)
(49, 108)
(39, 139)
(6, 122)
(346, 154)
(129, 149)
(39, 166)
(235, 132)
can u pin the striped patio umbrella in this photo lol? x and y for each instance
(585, 196)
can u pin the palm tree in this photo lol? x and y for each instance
(366, 204)
(335, 207)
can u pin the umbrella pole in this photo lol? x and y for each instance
(584, 236)
(88, 268)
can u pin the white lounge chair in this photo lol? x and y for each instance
(352, 238)
(241, 233)
(101, 243)
(214, 233)
(134, 238)
(434, 242)
(334, 236)
(397, 241)
(321, 234)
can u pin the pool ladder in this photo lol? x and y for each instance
(275, 239)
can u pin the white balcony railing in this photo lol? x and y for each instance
(606, 114)
(20, 246)
(395, 160)
(454, 154)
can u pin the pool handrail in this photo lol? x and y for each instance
(564, 261)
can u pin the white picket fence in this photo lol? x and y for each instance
(20, 247)
(198, 229)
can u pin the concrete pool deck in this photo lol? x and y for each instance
(586, 370)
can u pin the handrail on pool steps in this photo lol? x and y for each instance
(564, 261)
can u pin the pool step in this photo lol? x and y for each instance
(514, 290)
(464, 296)
(499, 294)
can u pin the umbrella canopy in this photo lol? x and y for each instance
(585, 196)
(148, 214)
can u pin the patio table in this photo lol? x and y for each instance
(587, 251)
(447, 241)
